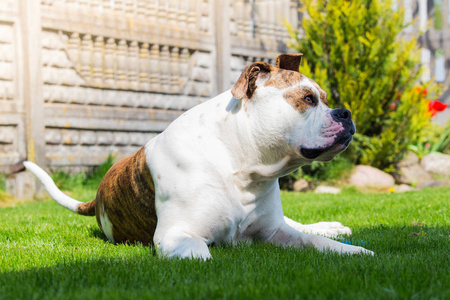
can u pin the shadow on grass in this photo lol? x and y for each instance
(97, 233)
(410, 261)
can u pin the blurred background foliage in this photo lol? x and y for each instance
(356, 52)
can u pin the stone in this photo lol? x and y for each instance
(404, 188)
(323, 189)
(436, 164)
(413, 174)
(410, 159)
(21, 185)
(434, 183)
(367, 176)
(301, 185)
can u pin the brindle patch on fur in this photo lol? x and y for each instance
(282, 79)
(295, 98)
(323, 94)
(127, 195)
(87, 209)
(246, 84)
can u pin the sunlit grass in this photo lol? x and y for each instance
(48, 252)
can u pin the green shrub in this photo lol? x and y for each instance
(92, 178)
(96, 175)
(319, 172)
(330, 171)
(66, 181)
(2, 182)
(356, 53)
(435, 139)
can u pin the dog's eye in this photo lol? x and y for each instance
(309, 99)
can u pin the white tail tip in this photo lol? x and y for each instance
(51, 188)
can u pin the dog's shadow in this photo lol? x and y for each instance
(97, 233)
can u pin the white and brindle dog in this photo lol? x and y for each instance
(212, 176)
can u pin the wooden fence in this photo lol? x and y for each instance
(80, 79)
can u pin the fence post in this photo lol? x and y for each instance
(31, 77)
(223, 44)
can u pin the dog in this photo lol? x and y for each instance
(212, 176)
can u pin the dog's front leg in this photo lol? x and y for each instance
(328, 229)
(288, 236)
(175, 242)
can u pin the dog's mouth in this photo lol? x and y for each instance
(340, 144)
(312, 152)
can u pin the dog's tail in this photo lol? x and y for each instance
(87, 209)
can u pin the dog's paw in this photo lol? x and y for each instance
(368, 252)
(197, 250)
(357, 250)
(183, 247)
(328, 229)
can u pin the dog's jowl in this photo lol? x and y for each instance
(212, 175)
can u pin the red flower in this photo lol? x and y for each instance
(393, 105)
(436, 106)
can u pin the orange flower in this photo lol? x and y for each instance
(419, 90)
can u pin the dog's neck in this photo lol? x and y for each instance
(261, 155)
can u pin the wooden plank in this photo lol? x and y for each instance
(119, 124)
(86, 156)
(11, 107)
(71, 21)
(61, 110)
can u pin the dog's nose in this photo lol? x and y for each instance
(341, 114)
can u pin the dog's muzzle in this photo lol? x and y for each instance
(344, 116)
(342, 139)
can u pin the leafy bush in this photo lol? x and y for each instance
(92, 178)
(96, 175)
(334, 170)
(2, 182)
(435, 139)
(356, 53)
(319, 172)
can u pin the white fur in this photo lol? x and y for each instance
(329, 229)
(51, 188)
(107, 226)
(216, 171)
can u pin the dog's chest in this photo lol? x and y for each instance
(229, 229)
(240, 220)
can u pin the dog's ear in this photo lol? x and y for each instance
(289, 61)
(246, 84)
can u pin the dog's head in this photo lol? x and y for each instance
(294, 109)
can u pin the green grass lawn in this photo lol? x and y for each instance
(47, 252)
